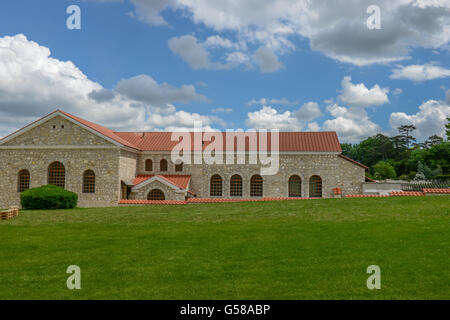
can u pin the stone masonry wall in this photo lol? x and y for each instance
(75, 147)
(169, 193)
(334, 171)
(127, 165)
(103, 162)
(78, 149)
(58, 131)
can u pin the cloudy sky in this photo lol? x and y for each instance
(287, 64)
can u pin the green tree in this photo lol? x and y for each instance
(432, 141)
(375, 149)
(384, 170)
(447, 131)
(434, 157)
(423, 172)
(405, 138)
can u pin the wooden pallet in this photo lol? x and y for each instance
(5, 215)
(15, 211)
(9, 214)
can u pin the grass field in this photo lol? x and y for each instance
(317, 249)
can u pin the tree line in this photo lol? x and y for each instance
(402, 157)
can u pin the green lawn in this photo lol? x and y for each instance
(317, 249)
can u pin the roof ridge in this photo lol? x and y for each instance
(159, 141)
(98, 128)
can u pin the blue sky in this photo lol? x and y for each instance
(160, 65)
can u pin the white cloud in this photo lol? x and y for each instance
(270, 118)
(188, 48)
(336, 28)
(222, 110)
(149, 11)
(237, 58)
(351, 124)
(266, 101)
(217, 41)
(397, 91)
(313, 126)
(101, 95)
(359, 95)
(308, 112)
(429, 120)
(33, 84)
(197, 56)
(145, 89)
(417, 72)
(267, 60)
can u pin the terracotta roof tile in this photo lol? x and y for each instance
(180, 181)
(355, 162)
(288, 141)
(100, 129)
(406, 194)
(161, 141)
(437, 190)
(146, 202)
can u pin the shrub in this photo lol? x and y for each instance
(425, 173)
(443, 177)
(48, 197)
(383, 170)
(412, 175)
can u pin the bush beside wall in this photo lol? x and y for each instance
(48, 197)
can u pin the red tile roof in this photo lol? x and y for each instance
(355, 162)
(161, 141)
(100, 129)
(288, 141)
(180, 181)
(141, 178)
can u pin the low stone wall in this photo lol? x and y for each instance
(381, 188)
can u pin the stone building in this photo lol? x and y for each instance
(103, 166)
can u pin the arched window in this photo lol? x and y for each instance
(216, 186)
(89, 181)
(24, 180)
(57, 174)
(156, 194)
(295, 187)
(256, 186)
(315, 187)
(148, 165)
(179, 167)
(236, 186)
(163, 165)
